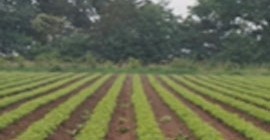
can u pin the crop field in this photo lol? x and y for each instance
(83, 106)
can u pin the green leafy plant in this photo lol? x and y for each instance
(231, 93)
(27, 85)
(4, 102)
(200, 128)
(259, 113)
(147, 127)
(14, 115)
(97, 126)
(234, 121)
(41, 129)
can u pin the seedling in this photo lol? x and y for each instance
(166, 119)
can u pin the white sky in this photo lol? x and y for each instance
(180, 7)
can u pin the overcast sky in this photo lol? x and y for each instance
(180, 6)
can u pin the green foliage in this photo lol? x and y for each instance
(77, 11)
(252, 89)
(19, 82)
(15, 27)
(228, 92)
(259, 113)
(90, 60)
(147, 127)
(230, 30)
(249, 82)
(190, 118)
(97, 126)
(47, 24)
(15, 115)
(246, 128)
(24, 85)
(40, 130)
(11, 77)
(223, 32)
(107, 65)
(133, 63)
(54, 83)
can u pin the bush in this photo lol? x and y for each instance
(182, 63)
(90, 60)
(133, 63)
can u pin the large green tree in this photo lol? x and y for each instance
(15, 26)
(231, 30)
(141, 30)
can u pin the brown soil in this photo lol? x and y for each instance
(71, 127)
(171, 125)
(258, 123)
(20, 126)
(123, 123)
(19, 103)
(227, 132)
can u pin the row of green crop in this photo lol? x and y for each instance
(10, 75)
(249, 85)
(257, 81)
(97, 126)
(227, 91)
(4, 102)
(249, 82)
(41, 129)
(9, 78)
(234, 121)
(31, 86)
(233, 85)
(25, 81)
(14, 81)
(249, 88)
(259, 113)
(243, 82)
(198, 127)
(147, 127)
(14, 115)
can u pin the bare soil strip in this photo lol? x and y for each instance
(71, 127)
(123, 123)
(17, 104)
(258, 123)
(17, 128)
(227, 132)
(171, 125)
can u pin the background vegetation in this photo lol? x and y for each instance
(217, 36)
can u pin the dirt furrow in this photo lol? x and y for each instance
(227, 132)
(171, 125)
(123, 123)
(19, 103)
(258, 123)
(20, 126)
(71, 127)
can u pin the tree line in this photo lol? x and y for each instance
(234, 31)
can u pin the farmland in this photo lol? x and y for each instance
(84, 106)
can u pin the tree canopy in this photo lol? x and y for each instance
(215, 30)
